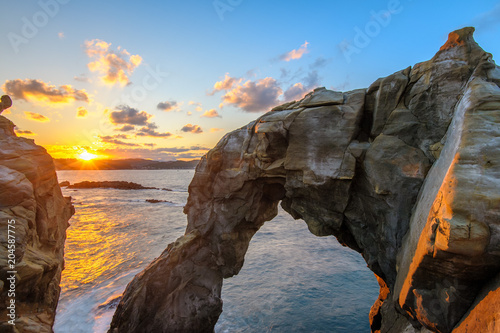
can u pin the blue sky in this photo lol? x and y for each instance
(142, 75)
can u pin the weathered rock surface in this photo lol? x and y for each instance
(406, 172)
(31, 197)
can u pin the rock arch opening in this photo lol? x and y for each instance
(294, 281)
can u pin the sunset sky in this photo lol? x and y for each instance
(167, 79)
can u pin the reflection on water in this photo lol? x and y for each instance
(291, 280)
(96, 249)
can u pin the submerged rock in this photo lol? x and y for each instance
(407, 173)
(35, 214)
(157, 201)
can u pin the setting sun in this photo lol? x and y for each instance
(86, 156)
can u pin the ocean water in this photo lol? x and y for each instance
(292, 281)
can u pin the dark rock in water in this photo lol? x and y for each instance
(157, 201)
(34, 212)
(407, 173)
(64, 183)
(120, 185)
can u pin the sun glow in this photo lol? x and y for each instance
(86, 156)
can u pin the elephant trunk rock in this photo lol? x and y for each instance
(406, 172)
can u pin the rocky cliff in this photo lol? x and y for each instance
(406, 172)
(33, 220)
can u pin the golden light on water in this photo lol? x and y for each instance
(92, 249)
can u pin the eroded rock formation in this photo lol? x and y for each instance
(406, 172)
(30, 196)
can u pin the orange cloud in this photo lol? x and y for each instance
(295, 54)
(81, 112)
(36, 117)
(216, 130)
(254, 96)
(196, 129)
(150, 130)
(65, 151)
(125, 128)
(225, 84)
(167, 106)
(36, 90)
(114, 66)
(115, 139)
(212, 113)
(24, 132)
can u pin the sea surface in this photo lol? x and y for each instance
(292, 281)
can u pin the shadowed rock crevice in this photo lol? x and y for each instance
(405, 172)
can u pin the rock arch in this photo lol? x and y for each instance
(387, 170)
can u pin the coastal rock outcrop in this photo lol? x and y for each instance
(33, 220)
(406, 172)
(116, 184)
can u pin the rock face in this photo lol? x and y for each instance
(406, 172)
(32, 205)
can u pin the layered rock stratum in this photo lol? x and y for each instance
(406, 172)
(33, 208)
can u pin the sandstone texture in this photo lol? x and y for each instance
(406, 172)
(31, 197)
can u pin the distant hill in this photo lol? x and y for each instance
(125, 164)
